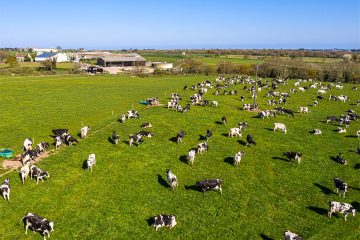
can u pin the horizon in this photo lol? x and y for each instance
(162, 25)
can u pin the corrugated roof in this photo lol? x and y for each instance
(122, 59)
(46, 55)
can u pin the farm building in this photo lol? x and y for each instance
(40, 51)
(162, 65)
(60, 57)
(21, 57)
(121, 60)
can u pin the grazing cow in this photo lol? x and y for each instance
(280, 126)
(238, 156)
(242, 98)
(341, 130)
(214, 103)
(91, 161)
(340, 185)
(304, 110)
(37, 173)
(316, 131)
(315, 103)
(122, 118)
(41, 147)
(271, 102)
(301, 89)
(338, 86)
(224, 120)
(242, 125)
(164, 220)
(293, 155)
(235, 131)
(210, 184)
(341, 207)
(25, 171)
(357, 150)
(208, 134)
(332, 119)
(202, 147)
(171, 178)
(38, 224)
(70, 140)
(250, 141)
(145, 134)
(133, 114)
(84, 131)
(5, 189)
(180, 136)
(358, 102)
(29, 155)
(179, 108)
(28, 142)
(320, 91)
(358, 133)
(60, 131)
(191, 156)
(339, 158)
(291, 236)
(135, 139)
(289, 112)
(146, 125)
(115, 138)
(58, 142)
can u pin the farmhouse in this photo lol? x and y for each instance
(21, 57)
(60, 57)
(121, 60)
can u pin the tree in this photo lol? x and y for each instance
(11, 60)
(49, 64)
(59, 48)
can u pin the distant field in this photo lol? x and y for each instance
(262, 197)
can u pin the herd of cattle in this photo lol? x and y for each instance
(62, 136)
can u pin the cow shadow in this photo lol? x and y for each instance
(320, 211)
(334, 159)
(351, 136)
(281, 158)
(270, 129)
(173, 139)
(357, 166)
(84, 165)
(126, 142)
(193, 187)
(162, 181)
(264, 237)
(225, 134)
(183, 159)
(324, 189)
(219, 122)
(356, 205)
(150, 221)
(110, 140)
(229, 160)
(354, 188)
(241, 142)
(79, 135)
(201, 137)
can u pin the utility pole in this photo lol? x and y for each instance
(255, 93)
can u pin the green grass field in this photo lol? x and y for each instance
(262, 197)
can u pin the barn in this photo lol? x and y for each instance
(60, 57)
(121, 60)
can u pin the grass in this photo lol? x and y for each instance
(62, 65)
(261, 198)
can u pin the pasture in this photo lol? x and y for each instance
(262, 197)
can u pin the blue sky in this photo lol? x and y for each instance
(168, 24)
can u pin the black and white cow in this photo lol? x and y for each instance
(209, 184)
(171, 178)
(180, 136)
(25, 171)
(339, 158)
(84, 131)
(289, 112)
(316, 131)
(315, 103)
(291, 236)
(29, 155)
(186, 109)
(341, 130)
(115, 138)
(5, 189)
(70, 140)
(208, 134)
(341, 207)
(135, 139)
(224, 120)
(91, 161)
(280, 126)
(28, 142)
(340, 185)
(250, 140)
(133, 114)
(58, 142)
(41, 147)
(237, 157)
(358, 133)
(60, 131)
(293, 155)
(242, 125)
(122, 118)
(357, 150)
(304, 110)
(191, 157)
(145, 134)
(235, 132)
(202, 147)
(37, 173)
(38, 224)
(146, 125)
(164, 220)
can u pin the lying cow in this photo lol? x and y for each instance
(341, 207)
(293, 155)
(316, 131)
(24, 171)
(202, 147)
(37, 173)
(115, 138)
(91, 161)
(340, 185)
(237, 157)
(164, 220)
(5, 189)
(133, 114)
(339, 158)
(180, 136)
(280, 126)
(291, 236)
(38, 224)
(41, 147)
(235, 132)
(70, 140)
(209, 184)
(304, 110)
(84, 131)
(145, 134)
(135, 139)
(146, 125)
(214, 103)
(341, 130)
(28, 142)
(191, 156)
(171, 178)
